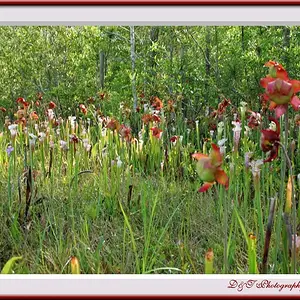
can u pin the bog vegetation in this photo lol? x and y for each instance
(169, 150)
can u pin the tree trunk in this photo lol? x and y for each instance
(102, 68)
(207, 61)
(243, 38)
(217, 56)
(154, 32)
(286, 45)
(132, 55)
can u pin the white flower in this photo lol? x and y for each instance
(42, 136)
(86, 145)
(140, 135)
(63, 145)
(255, 167)
(141, 143)
(32, 139)
(248, 156)
(211, 132)
(103, 132)
(272, 126)
(13, 129)
(119, 162)
(206, 111)
(236, 132)
(104, 152)
(222, 142)
(50, 114)
(243, 108)
(247, 130)
(72, 120)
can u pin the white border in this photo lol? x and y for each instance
(149, 15)
(149, 285)
(146, 284)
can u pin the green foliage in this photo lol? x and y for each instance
(8, 267)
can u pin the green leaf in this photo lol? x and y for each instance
(7, 269)
(242, 226)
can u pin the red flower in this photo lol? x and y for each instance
(21, 121)
(3, 109)
(155, 118)
(254, 119)
(221, 108)
(209, 169)
(21, 100)
(223, 105)
(113, 124)
(91, 100)
(276, 70)
(102, 95)
(40, 96)
(33, 116)
(125, 132)
(52, 105)
(21, 113)
(269, 141)
(74, 139)
(170, 106)
(146, 118)
(279, 89)
(174, 138)
(156, 132)
(83, 109)
(157, 103)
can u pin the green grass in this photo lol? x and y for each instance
(134, 207)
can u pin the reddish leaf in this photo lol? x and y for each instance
(206, 186)
(222, 178)
(280, 110)
(272, 105)
(296, 85)
(198, 156)
(273, 154)
(295, 101)
(264, 81)
(216, 156)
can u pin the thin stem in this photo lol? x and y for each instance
(289, 163)
(223, 197)
(268, 236)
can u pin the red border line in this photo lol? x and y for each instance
(149, 296)
(149, 2)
